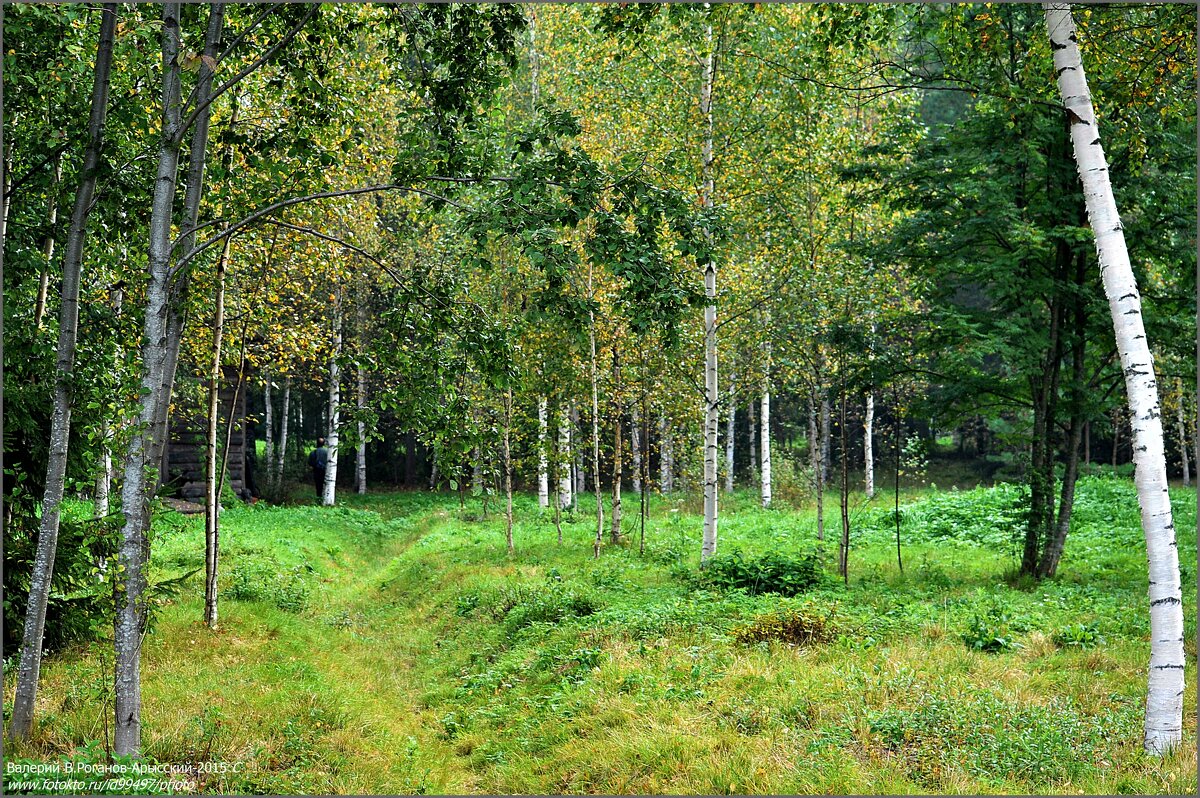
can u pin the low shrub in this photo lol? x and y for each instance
(522, 605)
(1078, 635)
(789, 625)
(991, 629)
(770, 573)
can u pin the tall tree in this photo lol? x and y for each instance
(1164, 700)
(29, 668)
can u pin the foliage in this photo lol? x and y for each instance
(424, 607)
(773, 572)
(789, 625)
(1078, 635)
(992, 629)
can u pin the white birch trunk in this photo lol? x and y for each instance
(543, 464)
(1164, 700)
(329, 494)
(752, 425)
(269, 431)
(595, 428)
(666, 460)
(100, 502)
(730, 420)
(360, 459)
(826, 439)
(280, 458)
(814, 464)
(764, 444)
(104, 479)
(29, 668)
(580, 475)
(635, 444)
(712, 396)
(618, 451)
(507, 455)
(564, 457)
(212, 499)
(869, 446)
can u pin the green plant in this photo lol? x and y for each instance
(770, 573)
(790, 625)
(1078, 635)
(991, 629)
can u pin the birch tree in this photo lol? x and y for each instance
(329, 493)
(1164, 700)
(29, 669)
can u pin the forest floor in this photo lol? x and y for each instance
(392, 646)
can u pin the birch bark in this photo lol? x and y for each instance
(712, 395)
(543, 465)
(730, 420)
(869, 446)
(329, 494)
(1164, 700)
(29, 669)
(564, 456)
(360, 453)
(212, 499)
(284, 417)
(635, 443)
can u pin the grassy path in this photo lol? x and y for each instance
(392, 647)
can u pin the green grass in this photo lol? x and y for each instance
(391, 645)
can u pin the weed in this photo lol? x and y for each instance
(788, 625)
(772, 572)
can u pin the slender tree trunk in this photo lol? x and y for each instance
(507, 453)
(212, 499)
(543, 465)
(477, 474)
(329, 494)
(752, 424)
(1116, 444)
(563, 460)
(269, 427)
(595, 429)
(360, 460)
(869, 446)
(29, 669)
(826, 439)
(39, 310)
(1164, 704)
(177, 290)
(635, 442)
(666, 461)
(212, 544)
(896, 475)
(614, 534)
(764, 443)
(712, 395)
(730, 421)
(580, 474)
(1181, 425)
(1048, 565)
(283, 432)
(104, 479)
(146, 446)
(844, 495)
(1087, 442)
(644, 469)
(818, 440)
